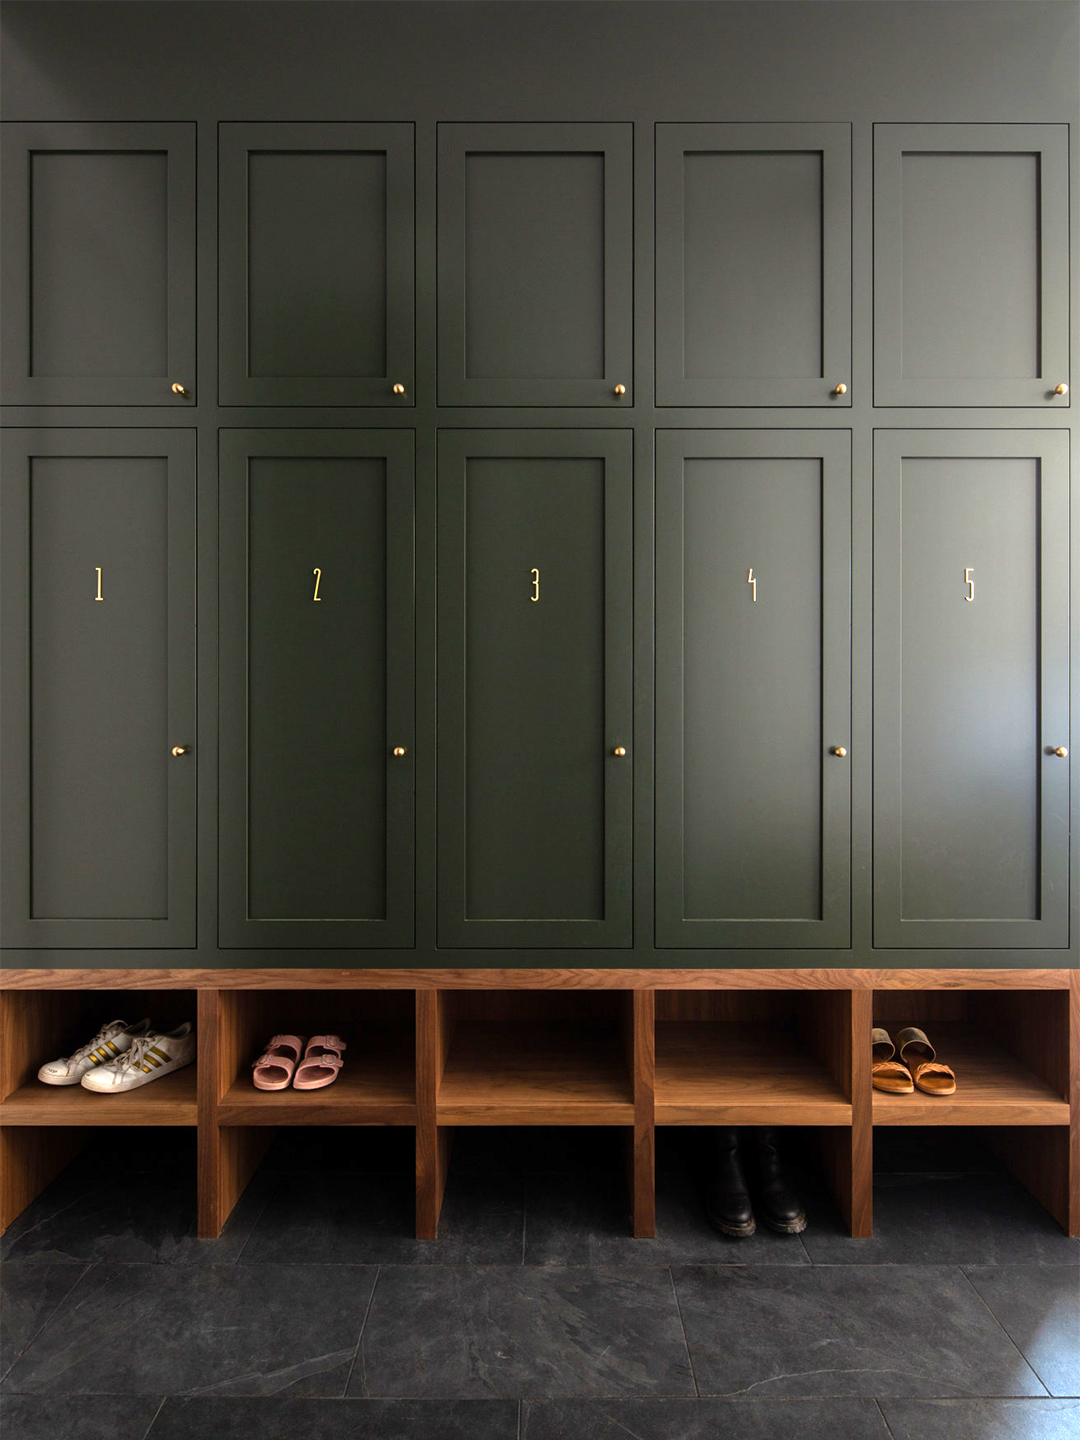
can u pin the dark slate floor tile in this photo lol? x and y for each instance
(983, 1419)
(371, 1219)
(76, 1417)
(703, 1420)
(571, 1220)
(1039, 1309)
(29, 1294)
(127, 1217)
(945, 1220)
(934, 1149)
(522, 1331)
(845, 1330)
(183, 1329)
(271, 1419)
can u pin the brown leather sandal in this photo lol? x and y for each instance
(888, 1074)
(929, 1074)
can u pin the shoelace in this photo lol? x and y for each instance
(133, 1058)
(107, 1032)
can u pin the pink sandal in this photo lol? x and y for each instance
(321, 1063)
(274, 1067)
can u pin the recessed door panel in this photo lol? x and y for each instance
(316, 689)
(971, 698)
(971, 289)
(753, 688)
(99, 234)
(535, 256)
(316, 264)
(534, 674)
(753, 264)
(99, 687)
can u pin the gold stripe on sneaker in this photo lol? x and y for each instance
(92, 1057)
(112, 1047)
(155, 1051)
(154, 1061)
(146, 1069)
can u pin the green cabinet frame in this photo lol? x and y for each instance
(316, 721)
(820, 729)
(957, 803)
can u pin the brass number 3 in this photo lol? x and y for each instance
(969, 582)
(753, 584)
(535, 584)
(99, 595)
(318, 576)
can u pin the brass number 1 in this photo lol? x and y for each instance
(753, 585)
(99, 595)
(318, 576)
(969, 582)
(535, 584)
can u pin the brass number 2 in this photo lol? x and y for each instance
(99, 595)
(535, 584)
(753, 585)
(318, 577)
(969, 582)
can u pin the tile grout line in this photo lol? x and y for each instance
(521, 1419)
(986, 1306)
(360, 1337)
(682, 1327)
(884, 1421)
(271, 1191)
(154, 1417)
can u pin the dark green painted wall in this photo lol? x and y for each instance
(627, 67)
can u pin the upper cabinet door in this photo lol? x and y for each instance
(99, 687)
(535, 264)
(317, 711)
(753, 264)
(971, 275)
(753, 688)
(99, 264)
(971, 688)
(535, 655)
(317, 258)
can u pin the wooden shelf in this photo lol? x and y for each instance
(712, 1073)
(376, 1086)
(992, 1088)
(168, 1101)
(546, 1074)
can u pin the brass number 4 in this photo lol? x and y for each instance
(753, 584)
(318, 577)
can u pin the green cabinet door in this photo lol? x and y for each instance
(316, 803)
(971, 688)
(753, 688)
(535, 653)
(971, 264)
(99, 264)
(753, 264)
(98, 687)
(536, 246)
(316, 264)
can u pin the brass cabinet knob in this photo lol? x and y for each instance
(839, 751)
(399, 750)
(399, 389)
(620, 389)
(179, 750)
(620, 750)
(1061, 752)
(840, 389)
(1061, 389)
(178, 389)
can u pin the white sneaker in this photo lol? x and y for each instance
(149, 1058)
(107, 1045)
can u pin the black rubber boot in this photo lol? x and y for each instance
(779, 1206)
(727, 1199)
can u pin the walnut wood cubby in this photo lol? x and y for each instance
(632, 1049)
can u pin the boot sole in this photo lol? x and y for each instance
(793, 1227)
(736, 1232)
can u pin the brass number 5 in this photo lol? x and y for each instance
(535, 584)
(753, 585)
(318, 577)
(969, 582)
(99, 595)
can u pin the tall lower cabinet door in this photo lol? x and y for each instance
(99, 688)
(535, 654)
(971, 688)
(317, 711)
(753, 688)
